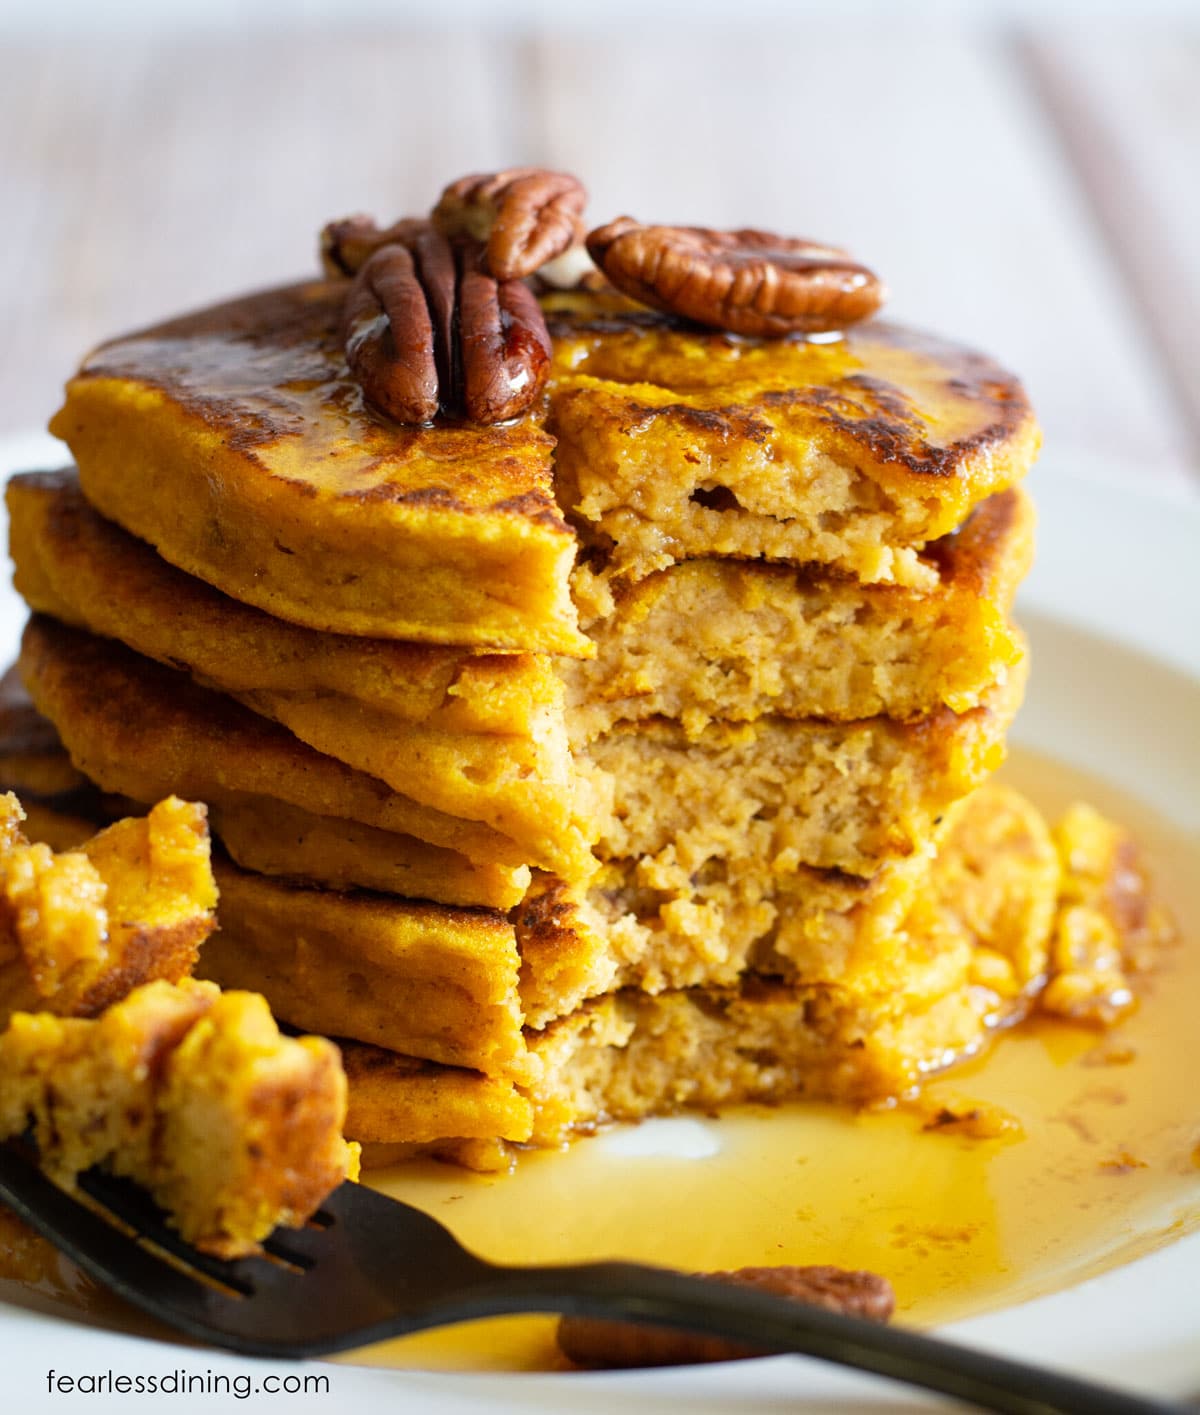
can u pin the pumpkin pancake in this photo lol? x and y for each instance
(704, 639)
(129, 724)
(1014, 903)
(261, 833)
(832, 795)
(912, 930)
(235, 441)
(31, 750)
(476, 736)
(79, 929)
(630, 1055)
(230, 1127)
(273, 838)
(435, 982)
(1069, 931)
(99, 577)
(423, 979)
(402, 1100)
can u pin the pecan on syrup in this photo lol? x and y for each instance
(747, 282)
(525, 216)
(427, 330)
(590, 1342)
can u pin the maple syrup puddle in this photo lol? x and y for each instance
(1108, 1168)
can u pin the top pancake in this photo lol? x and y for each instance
(235, 441)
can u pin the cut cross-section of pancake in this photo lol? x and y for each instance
(702, 640)
(236, 442)
(979, 918)
(733, 639)
(784, 793)
(630, 1054)
(832, 795)
(654, 923)
(850, 450)
(982, 895)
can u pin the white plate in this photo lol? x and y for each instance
(1114, 602)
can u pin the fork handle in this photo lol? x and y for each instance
(653, 1296)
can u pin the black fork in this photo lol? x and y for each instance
(367, 1267)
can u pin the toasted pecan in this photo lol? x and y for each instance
(388, 334)
(747, 282)
(428, 330)
(525, 216)
(437, 269)
(589, 1342)
(504, 342)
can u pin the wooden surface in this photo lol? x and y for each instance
(1034, 192)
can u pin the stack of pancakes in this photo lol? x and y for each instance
(620, 758)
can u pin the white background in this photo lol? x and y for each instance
(22, 16)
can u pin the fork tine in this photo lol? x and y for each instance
(98, 1248)
(268, 1320)
(132, 1205)
(374, 1257)
(289, 1252)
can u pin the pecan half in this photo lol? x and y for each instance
(588, 1342)
(525, 215)
(505, 345)
(437, 266)
(388, 336)
(427, 330)
(346, 245)
(747, 282)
